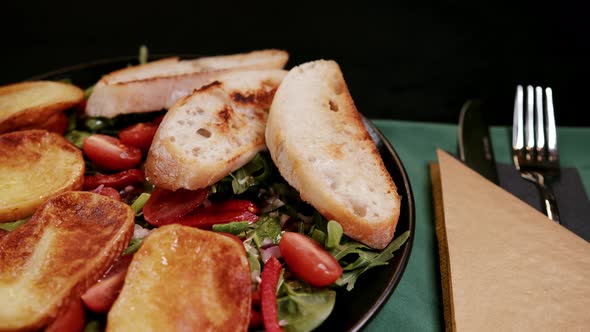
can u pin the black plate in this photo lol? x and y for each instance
(355, 308)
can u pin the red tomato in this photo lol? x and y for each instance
(308, 260)
(109, 153)
(108, 192)
(139, 135)
(117, 181)
(101, 296)
(166, 206)
(73, 319)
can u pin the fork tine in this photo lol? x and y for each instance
(529, 129)
(551, 132)
(517, 126)
(540, 128)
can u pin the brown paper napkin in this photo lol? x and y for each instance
(504, 265)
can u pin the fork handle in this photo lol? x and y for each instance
(549, 203)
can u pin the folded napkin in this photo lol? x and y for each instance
(504, 265)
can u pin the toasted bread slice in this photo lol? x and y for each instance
(29, 103)
(35, 165)
(185, 279)
(318, 141)
(214, 131)
(51, 260)
(157, 85)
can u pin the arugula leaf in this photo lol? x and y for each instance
(367, 260)
(235, 227)
(254, 260)
(306, 309)
(133, 246)
(10, 226)
(251, 174)
(267, 227)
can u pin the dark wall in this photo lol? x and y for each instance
(403, 61)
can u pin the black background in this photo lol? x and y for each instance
(410, 61)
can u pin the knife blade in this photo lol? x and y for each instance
(475, 143)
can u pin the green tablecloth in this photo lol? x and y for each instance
(416, 304)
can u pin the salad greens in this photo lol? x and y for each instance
(301, 307)
(12, 225)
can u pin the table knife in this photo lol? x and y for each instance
(475, 143)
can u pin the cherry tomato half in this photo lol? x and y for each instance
(139, 135)
(166, 206)
(101, 296)
(109, 153)
(72, 319)
(308, 260)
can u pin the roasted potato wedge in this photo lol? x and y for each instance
(185, 279)
(23, 105)
(35, 165)
(52, 259)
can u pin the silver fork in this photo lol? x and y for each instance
(534, 143)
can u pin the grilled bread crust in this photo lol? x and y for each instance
(185, 279)
(54, 257)
(316, 138)
(159, 84)
(25, 105)
(212, 132)
(35, 165)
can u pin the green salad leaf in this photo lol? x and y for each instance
(143, 55)
(139, 202)
(93, 326)
(367, 259)
(304, 309)
(235, 227)
(77, 137)
(267, 227)
(133, 246)
(12, 225)
(334, 234)
(253, 173)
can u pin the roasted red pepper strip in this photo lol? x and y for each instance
(118, 181)
(268, 289)
(221, 213)
(255, 318)
(166, 207)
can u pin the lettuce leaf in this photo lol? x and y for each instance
(304, 309)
